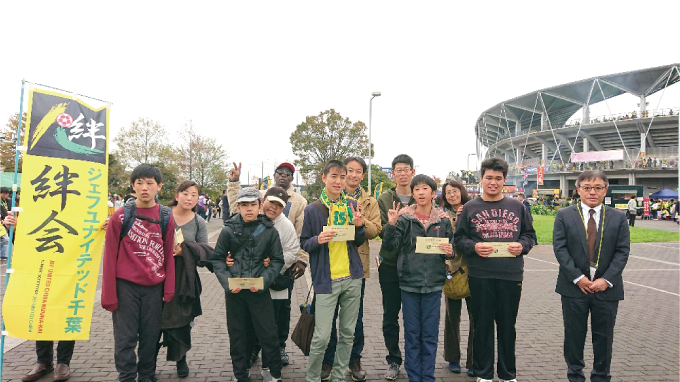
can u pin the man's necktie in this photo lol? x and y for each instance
(592, 236)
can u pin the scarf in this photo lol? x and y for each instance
(338, 211)
(356, 195)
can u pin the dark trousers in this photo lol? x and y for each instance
(391, 300)
(421, 332)
(45, 351)
(358, 344)
(251, 310)
(137, 319)
(602, 319)
(494, 301)
(631, 219)
(452, 332)
(282, 318)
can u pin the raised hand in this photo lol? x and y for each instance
(235, 173)
(393, 214)
(358, 216)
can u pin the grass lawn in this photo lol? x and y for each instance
(544, 228)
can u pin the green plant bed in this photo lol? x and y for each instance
(543, 225)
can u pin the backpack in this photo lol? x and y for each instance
(130, 215)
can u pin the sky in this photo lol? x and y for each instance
(248, 72)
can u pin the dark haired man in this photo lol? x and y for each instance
(591, 242)
(484, 226)
(356, 170)
(402, 173)
(336, 269)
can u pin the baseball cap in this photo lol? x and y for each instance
(248, 194)
(286, 164)
(277, 194)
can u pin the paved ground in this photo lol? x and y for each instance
(646, 346)
(666, 225)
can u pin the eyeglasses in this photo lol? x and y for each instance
(453, 191)
(285, 173)
(402, 170)
(596, 188)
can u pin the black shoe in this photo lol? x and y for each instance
(253, 358)
(356, 371)
(471, 373)
(285, 360)
(182, 367)
(326, 371)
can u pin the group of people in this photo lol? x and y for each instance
(467, 249)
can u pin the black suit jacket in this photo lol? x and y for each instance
(571, 251)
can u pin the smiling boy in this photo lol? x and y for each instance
(336, 269)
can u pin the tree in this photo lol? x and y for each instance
(377, 176)
(119, 179)
(202, 159)
(8, 134)
(322, 138)
(144, 141)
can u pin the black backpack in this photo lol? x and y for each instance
(130, 215)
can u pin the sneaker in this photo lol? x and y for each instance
(356, 372)
(484, 380)
(392, 372)
(326, 371)
(509, 380)
(266, 375)
(285, 360)
(454, 367)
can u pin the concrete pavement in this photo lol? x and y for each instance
(646, 344)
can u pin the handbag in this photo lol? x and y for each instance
(304, 329)
(457, 287)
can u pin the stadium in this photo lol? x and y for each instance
(551, 134)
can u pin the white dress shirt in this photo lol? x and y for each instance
(585, 209)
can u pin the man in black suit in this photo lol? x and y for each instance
(591, 242)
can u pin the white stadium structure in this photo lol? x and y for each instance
(545, 127)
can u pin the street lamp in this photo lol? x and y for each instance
(468, 161)
(370, 153)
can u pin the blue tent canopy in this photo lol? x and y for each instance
(664, 194)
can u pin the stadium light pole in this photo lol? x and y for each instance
(468, 161)
(370, 152)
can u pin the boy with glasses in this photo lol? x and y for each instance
(402, 172)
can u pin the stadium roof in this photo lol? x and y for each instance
(559, 103)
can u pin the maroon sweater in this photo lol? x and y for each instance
(142, 257)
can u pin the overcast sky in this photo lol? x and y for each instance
(248, 72)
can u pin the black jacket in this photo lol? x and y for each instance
(248, 252)
(418, 272)
(571, 251)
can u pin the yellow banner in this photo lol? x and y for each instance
(64, 200)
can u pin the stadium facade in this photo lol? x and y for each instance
(551, 132)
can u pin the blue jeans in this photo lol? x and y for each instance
(358, 345)
(421, 332)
